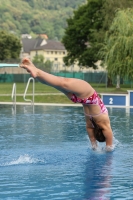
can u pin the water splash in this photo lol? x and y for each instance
(101, 148)
(23, 159)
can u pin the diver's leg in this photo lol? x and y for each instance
(74, 85)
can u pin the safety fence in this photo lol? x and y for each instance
(91, 77)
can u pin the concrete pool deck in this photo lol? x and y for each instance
(59, 104)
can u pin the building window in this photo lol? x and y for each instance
(56, 59)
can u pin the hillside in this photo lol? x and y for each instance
(37, 16)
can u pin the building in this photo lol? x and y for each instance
(51, 50)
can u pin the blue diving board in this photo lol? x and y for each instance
(8, 65)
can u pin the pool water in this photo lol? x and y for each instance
(46, 154)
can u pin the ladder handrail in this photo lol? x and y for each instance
(33, 89)
(13, 96)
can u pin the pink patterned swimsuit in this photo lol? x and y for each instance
(93, 100)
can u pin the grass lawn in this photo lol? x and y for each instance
(39, 99)
(6, 88)
(40, 89)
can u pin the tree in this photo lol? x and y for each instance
(48, 66)
(86, 30)
(117, 49)
(38, 59)
(110, 8)
(10, 46)
(81, 35)
(34, 13)
(39, 62)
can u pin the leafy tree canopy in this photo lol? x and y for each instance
(111, 7)
(86, 30)
(38, 59)
(80, 36)
(117, 50)
(10, 46)
(36, 16)
(40, 62)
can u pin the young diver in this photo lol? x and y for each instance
(79, 91)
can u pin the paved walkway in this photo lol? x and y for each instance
(43, 104)
(58, 104)
(40, 94)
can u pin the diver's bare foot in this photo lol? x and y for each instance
(28, 65)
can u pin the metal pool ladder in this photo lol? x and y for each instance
(33, 89)
(13, 96)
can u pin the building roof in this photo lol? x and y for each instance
(28, 44)
(51, 45)
(40, 44)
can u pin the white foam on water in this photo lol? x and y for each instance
(23, 159)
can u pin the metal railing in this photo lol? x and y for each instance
(13, 97)
(33, 89)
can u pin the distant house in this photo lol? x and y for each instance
(50, 49)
